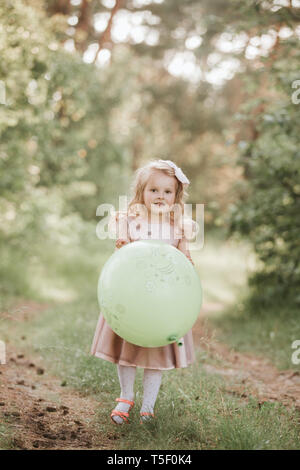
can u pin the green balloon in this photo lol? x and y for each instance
(149, 293)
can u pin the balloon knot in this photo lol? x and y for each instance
(174, 338)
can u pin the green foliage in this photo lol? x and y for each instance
(268, 211)
(55, 138)
(71, 133)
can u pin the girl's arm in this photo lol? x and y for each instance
(183, 246)
(122, 232)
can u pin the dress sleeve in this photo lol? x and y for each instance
(190, 229)
(188, 234)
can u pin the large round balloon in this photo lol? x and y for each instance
(149, 293)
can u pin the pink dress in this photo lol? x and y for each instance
(109, 346)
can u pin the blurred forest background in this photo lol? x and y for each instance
(91, 89)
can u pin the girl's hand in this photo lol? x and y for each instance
(121, 242)
(190, 260)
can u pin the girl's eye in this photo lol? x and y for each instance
(168, 192)
(153, 189)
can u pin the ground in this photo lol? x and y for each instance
(45, 414)
(253, 375)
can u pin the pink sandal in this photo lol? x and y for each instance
(123, 414)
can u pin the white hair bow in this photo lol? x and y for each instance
(178, 172)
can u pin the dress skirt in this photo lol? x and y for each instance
(109, 346)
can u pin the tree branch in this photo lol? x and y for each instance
(105, 37)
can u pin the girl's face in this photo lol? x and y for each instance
(159, 193)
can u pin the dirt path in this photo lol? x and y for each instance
(40, 410)
(42, 413)
(46, 415)
(247, 374)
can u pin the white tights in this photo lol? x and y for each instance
(151, 383)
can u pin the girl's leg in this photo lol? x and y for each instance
(126, 377)
(151, 382)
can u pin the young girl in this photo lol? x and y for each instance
(158, 188)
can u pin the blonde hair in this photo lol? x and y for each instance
(138, 185)
(141, 178)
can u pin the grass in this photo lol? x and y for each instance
(194, 412)
(6, 437)
(268, 333)
(224, 267)
(195, 409)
